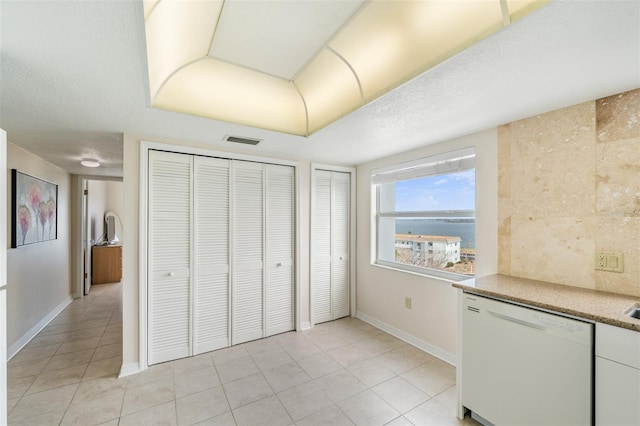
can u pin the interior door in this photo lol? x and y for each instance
(221, 249)
(247, 299)
(321, 247)
(341, 187)
(211, 257)
(330, 246)
(86, 236)
(170, 259)
(279, 291)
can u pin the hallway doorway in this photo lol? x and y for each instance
(99, 198)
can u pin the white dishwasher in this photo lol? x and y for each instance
(521, 366)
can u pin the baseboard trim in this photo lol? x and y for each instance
(22, 342)
(306, 325)
(129, 369)
(410, 339)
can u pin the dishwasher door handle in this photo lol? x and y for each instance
(517, 321)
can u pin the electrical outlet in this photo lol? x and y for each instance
(407, 302)
(610, 261)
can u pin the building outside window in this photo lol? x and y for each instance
(425, 215)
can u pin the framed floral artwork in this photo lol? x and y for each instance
(34, 204)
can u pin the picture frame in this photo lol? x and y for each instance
(34, 208)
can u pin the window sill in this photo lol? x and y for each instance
(447, 277)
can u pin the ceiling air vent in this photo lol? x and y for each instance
(246, 141)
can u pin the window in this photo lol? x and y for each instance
(425, 215)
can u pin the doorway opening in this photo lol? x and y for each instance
(101, 232)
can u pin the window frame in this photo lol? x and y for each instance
(429, 166)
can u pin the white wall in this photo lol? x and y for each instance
(130, 219)
(114, 197)
(38, 275)
(3, 278)
(104, 196)
(97, 208)
(432, 321)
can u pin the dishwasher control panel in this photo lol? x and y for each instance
(557, 325)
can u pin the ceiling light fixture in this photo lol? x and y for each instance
(87, 162)
(381, 46)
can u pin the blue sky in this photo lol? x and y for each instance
(455, 191)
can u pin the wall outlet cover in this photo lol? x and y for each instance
(609, 261)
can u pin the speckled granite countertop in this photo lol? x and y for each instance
(608, 308)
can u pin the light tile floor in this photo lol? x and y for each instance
(343, 372)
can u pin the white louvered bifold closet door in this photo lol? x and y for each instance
(211, 255)
(279, 249)
(321, 274)
(170, 238)
(248, 251)
(340, 242)
(221, 249)
(330, 279)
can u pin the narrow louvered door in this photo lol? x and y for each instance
(211, 255)
(169, 273)
(340, 245)
(248, 250)
(279, 249)
(321, 247)
(330, 249)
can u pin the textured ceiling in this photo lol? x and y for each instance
(72, 80)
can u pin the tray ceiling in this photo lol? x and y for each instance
(298, 66)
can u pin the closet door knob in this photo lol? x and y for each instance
(279, 264)
(171, 274)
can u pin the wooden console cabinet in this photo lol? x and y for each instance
(106, 264)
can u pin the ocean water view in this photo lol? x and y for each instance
(465, 229)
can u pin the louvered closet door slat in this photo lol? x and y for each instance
(340, 260)
(211, 256)
(247, 280)
(169, 256)
(321, 274)
(279, 249)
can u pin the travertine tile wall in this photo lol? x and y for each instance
(568, 187)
